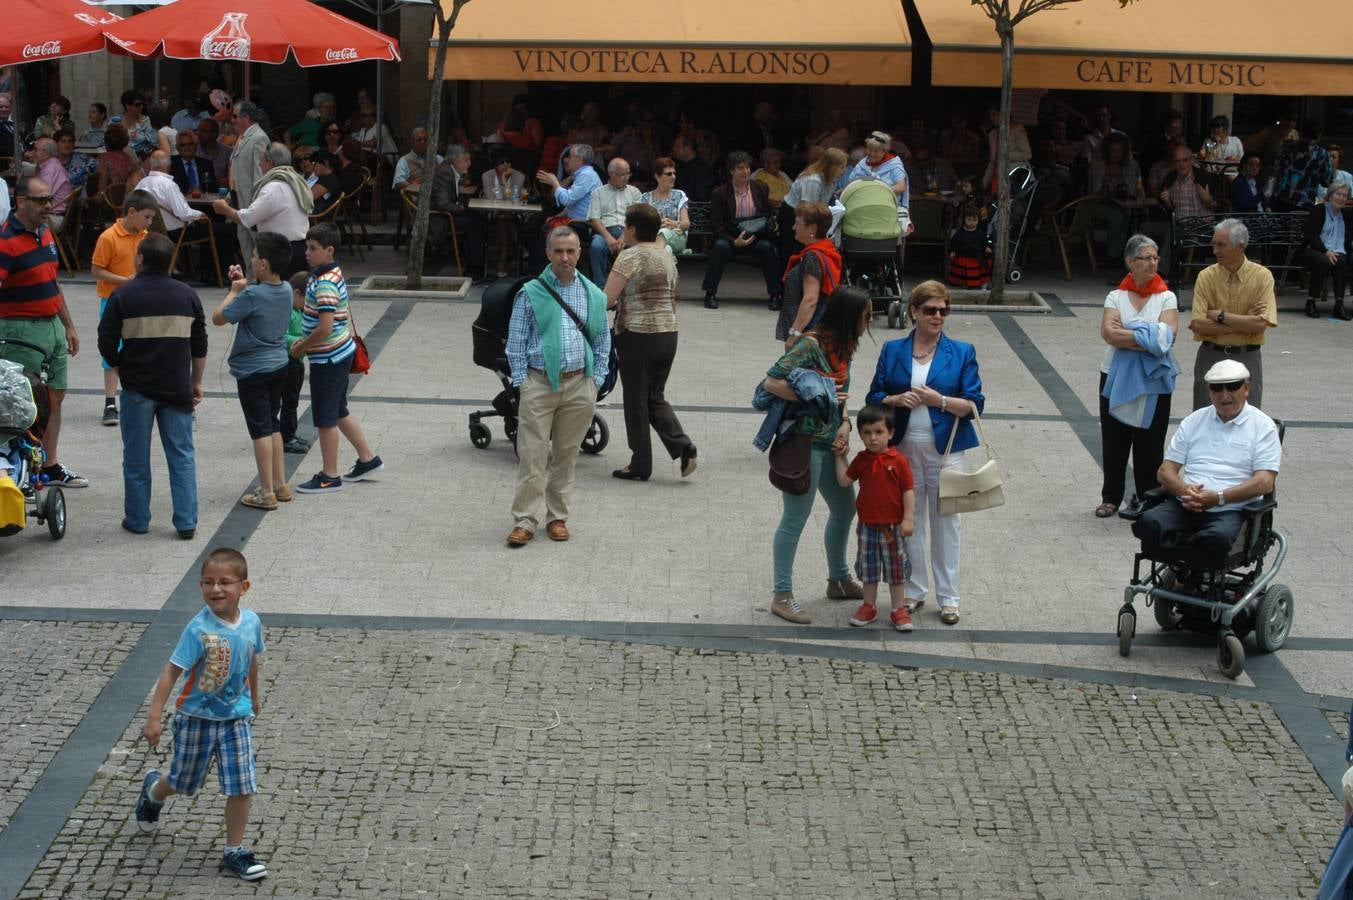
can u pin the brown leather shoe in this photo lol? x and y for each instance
(557, 530)
(519, 537)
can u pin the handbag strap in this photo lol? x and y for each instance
(981, 435)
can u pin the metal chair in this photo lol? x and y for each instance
(352, 214)
(411, 210)
(332, 214)
(71, 220)
(1075, 224)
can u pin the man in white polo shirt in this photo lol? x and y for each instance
(1220, 457)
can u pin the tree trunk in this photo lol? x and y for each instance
(418, 228)
(1001, 261)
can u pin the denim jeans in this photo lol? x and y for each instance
(600, 255)
(176, 436)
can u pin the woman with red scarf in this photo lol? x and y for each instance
(1141, 296)
(811, 275)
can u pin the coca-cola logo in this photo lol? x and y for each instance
(50, 48)
(342, 54)
(236, 49)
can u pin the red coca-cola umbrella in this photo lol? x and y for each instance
(47, 29)
(250, 31)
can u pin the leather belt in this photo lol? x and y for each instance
(574, 373)
(1232, 349)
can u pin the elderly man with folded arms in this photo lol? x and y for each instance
(606, 215)
(1220, 457)
(1233, 308)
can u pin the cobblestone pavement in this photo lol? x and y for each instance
(427, 764)
(49, 675)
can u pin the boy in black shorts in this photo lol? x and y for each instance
(258, 359)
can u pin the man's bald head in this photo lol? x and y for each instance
(159, 161)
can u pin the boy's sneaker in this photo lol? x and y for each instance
(147, 810)
(242, 864)
(260, 499)
(865, 615)
(110, 412)
(59, 475)
(283, 493)
(901, 619)
(361, 471)
(320, 483)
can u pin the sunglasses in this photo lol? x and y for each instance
(1231, 386)
(941, 311)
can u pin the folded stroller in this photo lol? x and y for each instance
(489, 349)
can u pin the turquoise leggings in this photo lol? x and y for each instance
(840, 513)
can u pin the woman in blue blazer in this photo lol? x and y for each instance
(932, 383)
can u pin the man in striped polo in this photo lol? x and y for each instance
(33, 309)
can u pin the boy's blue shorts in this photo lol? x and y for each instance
(197, 741)
(329, 392)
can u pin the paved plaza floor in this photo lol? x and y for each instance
(620, 715)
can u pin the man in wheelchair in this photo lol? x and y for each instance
(1220, 457)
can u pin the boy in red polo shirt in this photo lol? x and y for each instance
(886, 505)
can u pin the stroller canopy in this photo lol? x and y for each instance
(871, 210)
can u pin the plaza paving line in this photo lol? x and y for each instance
(1083, 424)
(40, 817)
(1308, 726)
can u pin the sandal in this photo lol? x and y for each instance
(1105, 509)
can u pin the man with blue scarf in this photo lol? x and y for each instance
(557, 367)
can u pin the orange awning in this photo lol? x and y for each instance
(689, 41)
(1198, 46)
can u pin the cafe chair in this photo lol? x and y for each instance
(333, 213)
(1074, 225)
(352, 214)
(411, 209)
(70, 225)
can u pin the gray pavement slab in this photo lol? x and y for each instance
(673, 577)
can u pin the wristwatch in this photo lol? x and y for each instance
(1221, 498)
(1221, 317)
(795, 333)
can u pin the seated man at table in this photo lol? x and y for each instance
(194, 175)
(606, 215)
(452, 188)
(212, 150)
(409, 168)
(1220, 457)
(177, 215)
(51, 171)
(573, 194)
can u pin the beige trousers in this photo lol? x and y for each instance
(549, 419)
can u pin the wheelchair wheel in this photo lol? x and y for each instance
(1127, 627)
(895, 314)
(1168, 616)
(1230, 655)
(54, 511)
(1274, 620)
(480, 435)
(597, 437)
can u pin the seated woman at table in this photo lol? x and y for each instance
(348, 165)
(58, 117)
(78, 166)
(1246, 193)
(772, 176)
(1221, 146)
(1329, 243)
(1113, 178)
(326, 187)
(115, 163)
(502, 182)
(672, 205)
(98, 126)
(330, 137)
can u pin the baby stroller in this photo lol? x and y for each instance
(870, 228)
(1023, 187)
(24, 409)
(489, 335)
(1228, 597)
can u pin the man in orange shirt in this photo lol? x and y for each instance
(114, 263)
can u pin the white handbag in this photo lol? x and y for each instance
(963, 492)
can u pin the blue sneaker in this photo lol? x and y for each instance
(242, 864)
(147, 810)
(361, 471)
(320, 483)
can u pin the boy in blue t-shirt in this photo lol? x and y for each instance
(258, 359)
(219, 650)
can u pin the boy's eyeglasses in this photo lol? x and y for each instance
(1231, 386)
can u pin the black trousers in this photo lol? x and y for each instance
(762, 249)
(1118, 440)
(1319, 265)
(1169, 525)
(470, 230)
(291, 397)
(645, 362)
